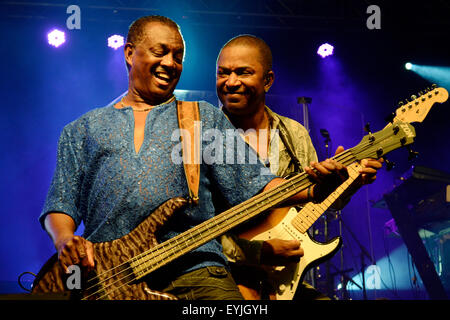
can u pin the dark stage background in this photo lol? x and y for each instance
(43, 88)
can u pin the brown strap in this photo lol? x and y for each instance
(189, 123)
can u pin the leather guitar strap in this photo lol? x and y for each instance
(189, 122)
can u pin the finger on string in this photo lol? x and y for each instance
(374, 164)
(65, 260)
(80, 249)
(293, 244)
(64, 266)
(72, 251)
(90, 254)
(312, 173)
(328, 164)
(339, 150)
(320, 167)
(296, 255)
(367, 170)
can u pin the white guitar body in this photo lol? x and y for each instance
(289, 224)
(285, 279)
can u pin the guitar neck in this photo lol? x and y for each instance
(187, 241)
(309, 214)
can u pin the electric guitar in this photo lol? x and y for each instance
(289, 223)
(122, 264)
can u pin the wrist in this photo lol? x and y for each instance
(309, 194)
(312, 194)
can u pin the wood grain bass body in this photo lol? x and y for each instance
(285, 279)
(113, 274)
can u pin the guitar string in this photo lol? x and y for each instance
(277, 191)
(169, 245)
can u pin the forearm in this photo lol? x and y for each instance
(71, 249)
(59, 226)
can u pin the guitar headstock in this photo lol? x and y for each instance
(417, 109)
(376, 145)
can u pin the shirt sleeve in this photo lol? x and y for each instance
(241, 251)
(64, 191)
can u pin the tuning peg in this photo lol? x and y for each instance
(413, 97)
(434, 86)
(367, 129)
(389, 164)
(412, 154)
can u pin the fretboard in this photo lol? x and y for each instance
(309, 214)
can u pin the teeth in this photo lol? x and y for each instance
(163, 75)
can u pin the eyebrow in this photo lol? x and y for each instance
(238, 69)
(166, 47)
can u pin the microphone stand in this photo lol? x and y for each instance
(344, 280)
(330, 285)
(364, 253)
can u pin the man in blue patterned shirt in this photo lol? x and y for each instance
(115, 166)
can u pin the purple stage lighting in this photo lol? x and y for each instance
(56, 38)
(115, 41)
(325, 50)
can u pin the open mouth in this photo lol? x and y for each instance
(163, 77)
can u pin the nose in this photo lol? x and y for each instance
(233, 81)
(168, 61)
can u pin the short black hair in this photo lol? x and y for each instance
(253, 41)
(136, 31)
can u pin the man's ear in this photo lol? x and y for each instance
(128, 53)
(268, 80)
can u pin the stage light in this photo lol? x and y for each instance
(56, 38)
(115, 41)
(408, 66)
(440, 75)
(325, 50)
